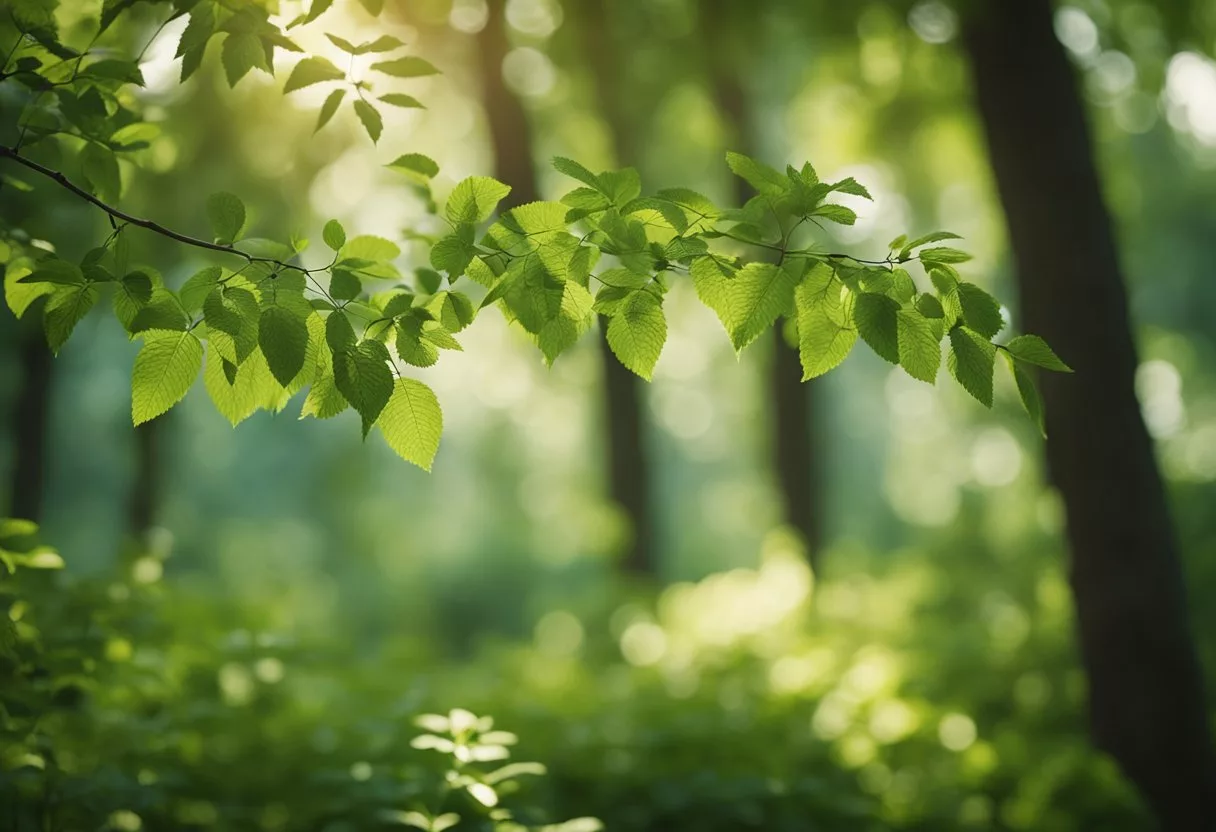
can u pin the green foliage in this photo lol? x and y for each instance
(275, 326)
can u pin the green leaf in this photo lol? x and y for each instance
(407, 67)
(981, 311)
(760, 176)
(323, 400)
(935, 237)
(242, 52)
(312, 71)
(18, 294)
(971, 361)
(415, 165)
(345, 285)
(852, 186)
(64, 309)
(162, 311)
(334, 235)
(1029, 393)
(198, 31)
(370, 116)
(165, 367)
(876, 317)
(343, 44)
(339, 334)
(227, 215)
(1034, 350)
(637, 332)
(920, 352)
(368, 247)
(54, 270)
(398, 99)
(411, 347)
(238, 392)
(364, 379)
(332, 102)
(110, 10)
(943, 255)
(836, 213)
(412, 422)
(283, 338)
(475, 198)
(826, 333)
(574, 170)
(195, 290)
(452, 309)
(100, 168)
(384, 43)
(455, 252)
(428, 280)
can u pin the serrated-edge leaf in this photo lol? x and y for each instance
(412, 422)
(164, 370)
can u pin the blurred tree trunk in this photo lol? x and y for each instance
(29, 430)
(1147, 705)
(143, 500)
(628, 469)
(791, 402)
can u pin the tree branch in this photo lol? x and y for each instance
(149, 225)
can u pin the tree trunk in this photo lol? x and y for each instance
(628, 461)
(30, 417)
(145, 484)
(791, 402)
(1147, 706)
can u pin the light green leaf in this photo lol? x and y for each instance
(19, 295)
(165, 367)
(416, 165)
(475, 198)
(454, 253)
(238, 392)
(637, 332)
(943, 255)
(398, 99)
(227, 215)
(575, 170)
(1034, 350)
(283, 338)
(760, 176)
(64, 309)
(323, 400)
(370, 116)
(971, 361)
(935, 237)
(195, 290)
(452, 309)
(920, 352)
(329, 107)
(334, 235)
(410, 66)
(311, 71)
(412, 422)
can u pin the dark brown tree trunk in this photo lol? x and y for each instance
(1147, 705)
(628, 461)
(794, 459)
(628, 472)
(30, 416)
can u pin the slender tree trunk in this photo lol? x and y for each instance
(1147, 705)
(30, 417)
(792, 403)
(628, 461)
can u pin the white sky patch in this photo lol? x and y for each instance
(1190, 96)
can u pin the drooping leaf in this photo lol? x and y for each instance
(370, 116)
(920, 352)
(227, 215)
(637, 332)
(412, 422)
(64, 309)
(329, 107)
(980, 310)
(164, 370)
(764, 179)
(1034, 350)
(364, 379)
(971, 361)
(876, 317)
(243, 51)
(1029, 393)
(283, 338)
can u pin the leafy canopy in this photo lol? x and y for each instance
(261, 327)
